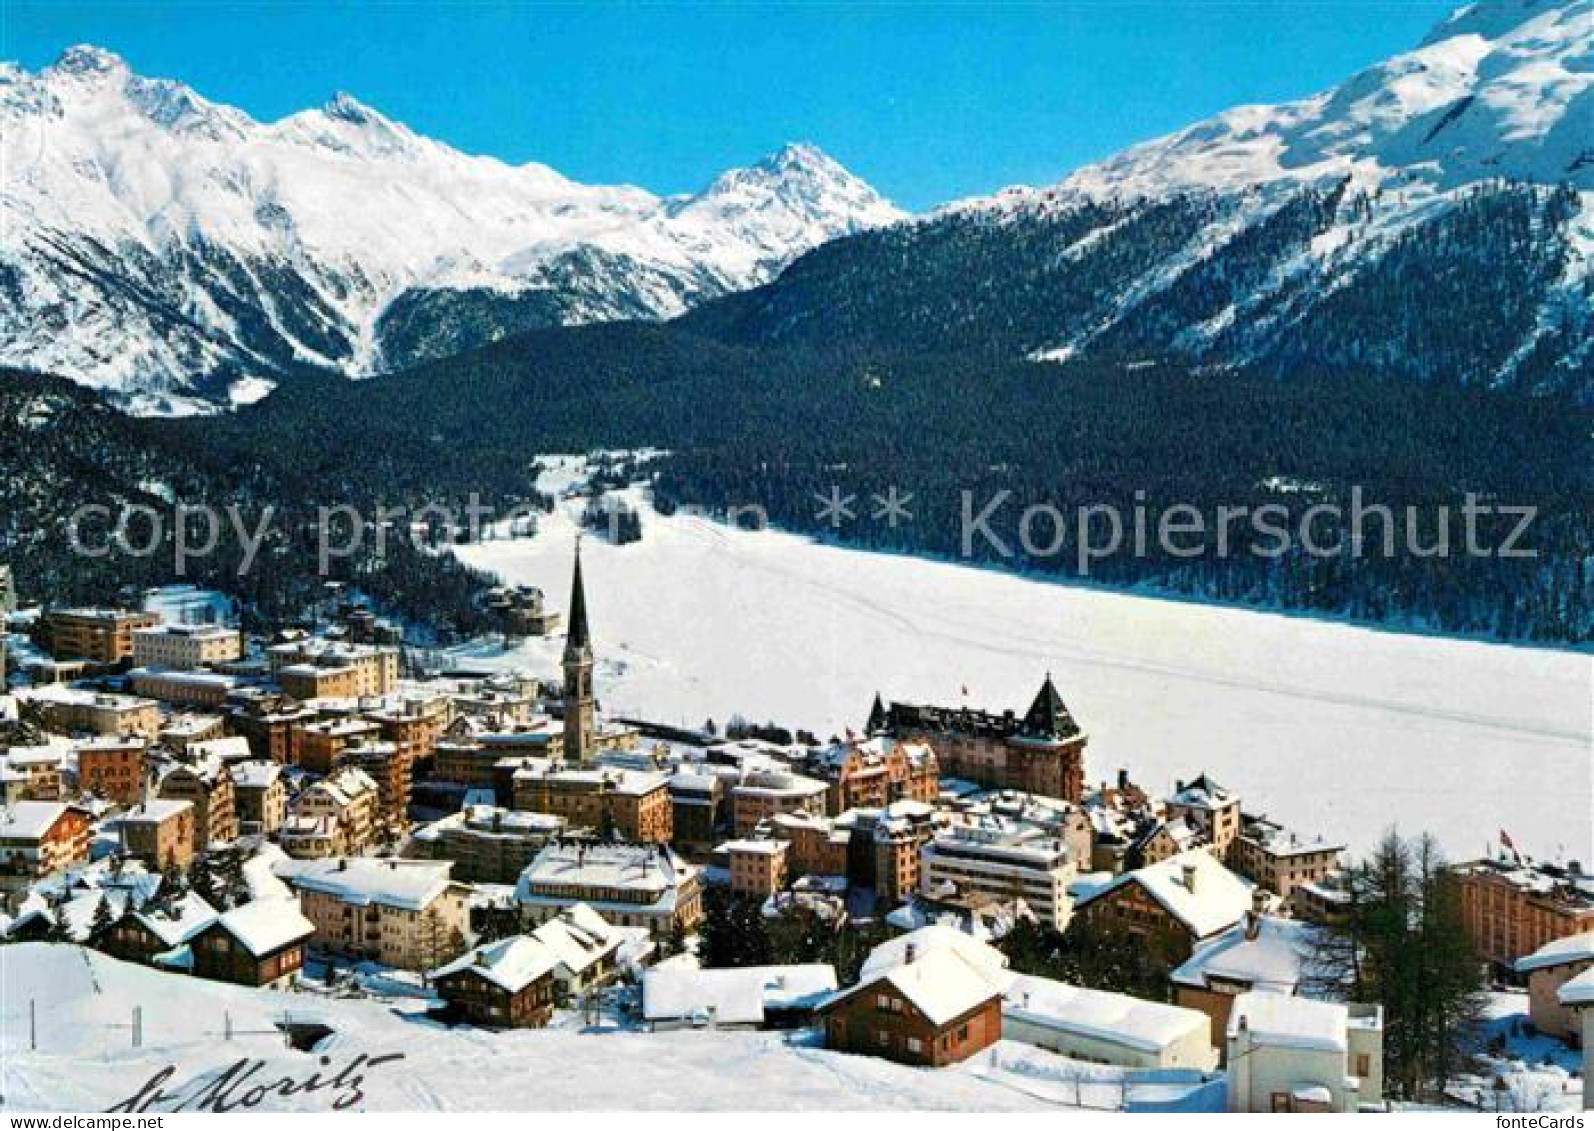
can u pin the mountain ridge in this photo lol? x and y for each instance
(190, 246)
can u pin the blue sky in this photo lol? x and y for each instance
(928, 103)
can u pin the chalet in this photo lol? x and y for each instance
(931, 1009)
(158, 933)
(1171, 907)
(508, 984)
(38, 838)
(260, 943)
(586, 949)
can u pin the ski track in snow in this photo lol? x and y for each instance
(1335, 729)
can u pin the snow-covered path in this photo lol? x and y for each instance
(1334, 729)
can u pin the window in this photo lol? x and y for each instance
(1281, 1101)
(1364, 1065)
(882, 1038)
(915, 1045)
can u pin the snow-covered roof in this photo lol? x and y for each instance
(982, 957)
(755, 847)
(578, 937)
(1148, 1026)
(189, 915)
(512, 964)
(410, 885)
(1206, 899)
(155, 810)
(1578, 991)
(267, 925)
(30, 820)
(649, 871)
(255, 775)
(942, 985)
(1289, 1021)
(232, 749)
(737, 996)
(1558, 952)
(1276, 959)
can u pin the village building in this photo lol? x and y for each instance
(103, 636)
(919, 1004)
(317, 743)
(160, 832)
(757, 867)
(1099, 1027)
(764, 794)
(872, 773)
(586, 950)
(1172, 907)
(333, 817)
(181, 688)
(112, 768)
(40, 838)
(1294, 1054)
(747, 997)
(405, 913)
(261, 797)
(818, 846)
(317, 668)
(1513, 907)
(1265, 953)
(697, 809)
(73, 710)
(1549, 968)
(1211, 810)
(1274, 858)
(1041, 752)
(31, 773)
(208, 785)
(1002, 861)
(185, 647)
(385, 765)
(631, 885)
(180, 733)
(507, 984)
(633, 803)
(157, 933)
(272, 726)
(580, 702)
(260, 943)
(488, 845)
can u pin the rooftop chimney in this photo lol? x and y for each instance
(910, 953)
(1253, 926)
(1258, 900)
(1189, 877)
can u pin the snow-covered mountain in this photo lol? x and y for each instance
(173, 250)
(1431, 217)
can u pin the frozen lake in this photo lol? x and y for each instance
(1330, 728)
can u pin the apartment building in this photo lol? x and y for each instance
(764, 794)
(1003, 862)
(103, 636)
(39, 838)
(332, 817)
(185, 647)
(488, 844)
(1512, 907)
(159, 831)
(261, 797)
(629, 885)
(404, 913)
(757, 867)
(633, 803)
(208, 785)
(73, 710)
(112, 768)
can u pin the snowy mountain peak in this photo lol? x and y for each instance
(85, 60)
(192, 247)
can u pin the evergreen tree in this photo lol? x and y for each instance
(1402, 942)
(102, 922)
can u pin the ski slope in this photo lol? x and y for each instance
(1334, 729)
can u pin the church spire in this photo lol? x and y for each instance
(577, 636)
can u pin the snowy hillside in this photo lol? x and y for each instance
(158, 242)
(1319, 725)
(84, 1002)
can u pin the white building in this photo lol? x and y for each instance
(1578, 994)
(1105, 1028)
(679, 996)
(1293, 1054)
(185, 646)
(632, 885)
(1004, 862)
